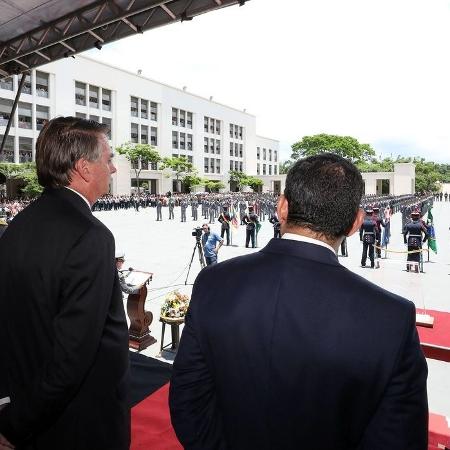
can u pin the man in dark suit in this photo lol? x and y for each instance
(63, 332)
(305, 354)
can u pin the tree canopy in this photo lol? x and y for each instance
(346, 146)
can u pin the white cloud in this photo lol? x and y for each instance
(375, 70)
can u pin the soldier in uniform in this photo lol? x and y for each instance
(159, 209)
(414, 235)
(126, 288)
(367, 237)
(211, 212)
(183, 207)
(171, 207)
(379, 223)
(276, 225)
(225, 220)
(250, 221)
(194, 207)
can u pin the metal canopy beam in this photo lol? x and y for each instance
(94, 25)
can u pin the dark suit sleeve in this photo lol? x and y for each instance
(401, 419)
(192, 397)
(87, 281)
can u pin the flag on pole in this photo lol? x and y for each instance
(431, 233)
(234, 221)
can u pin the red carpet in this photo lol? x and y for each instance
(150, 423)
(436, 341)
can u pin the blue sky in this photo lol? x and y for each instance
(375, 70)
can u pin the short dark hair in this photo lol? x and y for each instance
(61, 143)
(323, 193)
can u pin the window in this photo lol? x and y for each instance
(5, 111)
(231, 149)
(153, 111)
(241, 166)
(153, 136)
(42, 116)
(174, 139)
(211, 145)
(205, 145)
(94, 118)
(206, 165)
(270, 169)
(107, 122)
(241, 151)
(26, 88)
(134, 106)
(217, 165)
(7, 155)
(80, 93)
(264, 154)
(241, 132)
(258, 153)
(144, 134)
(182, 118)
(80, 115)
(236, 149)
(275, 156)
(7, 84)
(270, 154)
(231, 130)
(189, 158)
(275, 170)
(42, 84)
(134, 133)
(217, 126)
(189, 120)
(206, 125)
(211, 165)
(189, 141)
(174, 116)
(231, 165)
(264, 169)
(258, 169)
(236, 131)
(217, 147)
(25, 149)
(93, 96)
(182, 141)
(144, 109)
(154, 166)
(24, 115)
(236, 166)
(106, 100)
(144, 165)
(211, 125)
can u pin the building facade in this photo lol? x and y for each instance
(216, 138)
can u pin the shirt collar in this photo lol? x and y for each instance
(81, 195)
(299, 237)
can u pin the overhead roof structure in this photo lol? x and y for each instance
(36, 32)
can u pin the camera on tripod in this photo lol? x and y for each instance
(197, 232)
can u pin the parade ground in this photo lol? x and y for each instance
(165, 248)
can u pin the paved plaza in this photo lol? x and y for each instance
(165, 248)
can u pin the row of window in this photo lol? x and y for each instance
(181, 118)
(236, 150)
(211, 145)
(212, 125)
(144, 165)
(104, 120)
(182, 141)
(139, 108)
(40, 80)
(264, 154)
(24, 114)
(264, 171)
(25, 149)
(142, 137)
(236, 132)
(81, 90)
(236, 165)
(211, 165)
(188, 157)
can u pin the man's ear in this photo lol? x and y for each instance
(359, 219)
(282, 209)
(82, 169)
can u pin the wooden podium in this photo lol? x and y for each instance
(140, 319)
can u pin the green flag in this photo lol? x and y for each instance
(431, 233)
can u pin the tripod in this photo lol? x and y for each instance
(201, 257)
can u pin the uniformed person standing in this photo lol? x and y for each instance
(276, 226)
(379, 223)
(194, 207)
(414, 235)
(250, 221)
(211, 212)
(171, 207)
(225, 220)
(159, 209)
(183, 207)
(367, 237)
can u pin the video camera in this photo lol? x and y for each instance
(197, 232)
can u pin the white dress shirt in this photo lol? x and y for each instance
(299, 237)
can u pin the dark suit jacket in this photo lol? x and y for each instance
(287, 349)
(63, 333)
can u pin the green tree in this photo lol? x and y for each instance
(180, 166)
(191, 180)
(139, 154)
(238, 178)
(26, 172)
(254, 183)
(32, 187)
(214, 186)
(345, 146)
(285, 166)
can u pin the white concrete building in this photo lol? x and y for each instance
(215, 137)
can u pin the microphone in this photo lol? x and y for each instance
(130, 269)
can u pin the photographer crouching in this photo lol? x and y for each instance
(209, 243)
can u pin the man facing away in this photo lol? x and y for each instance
(63, 333)
(304, 354)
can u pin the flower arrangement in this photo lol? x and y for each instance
(175, 305)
